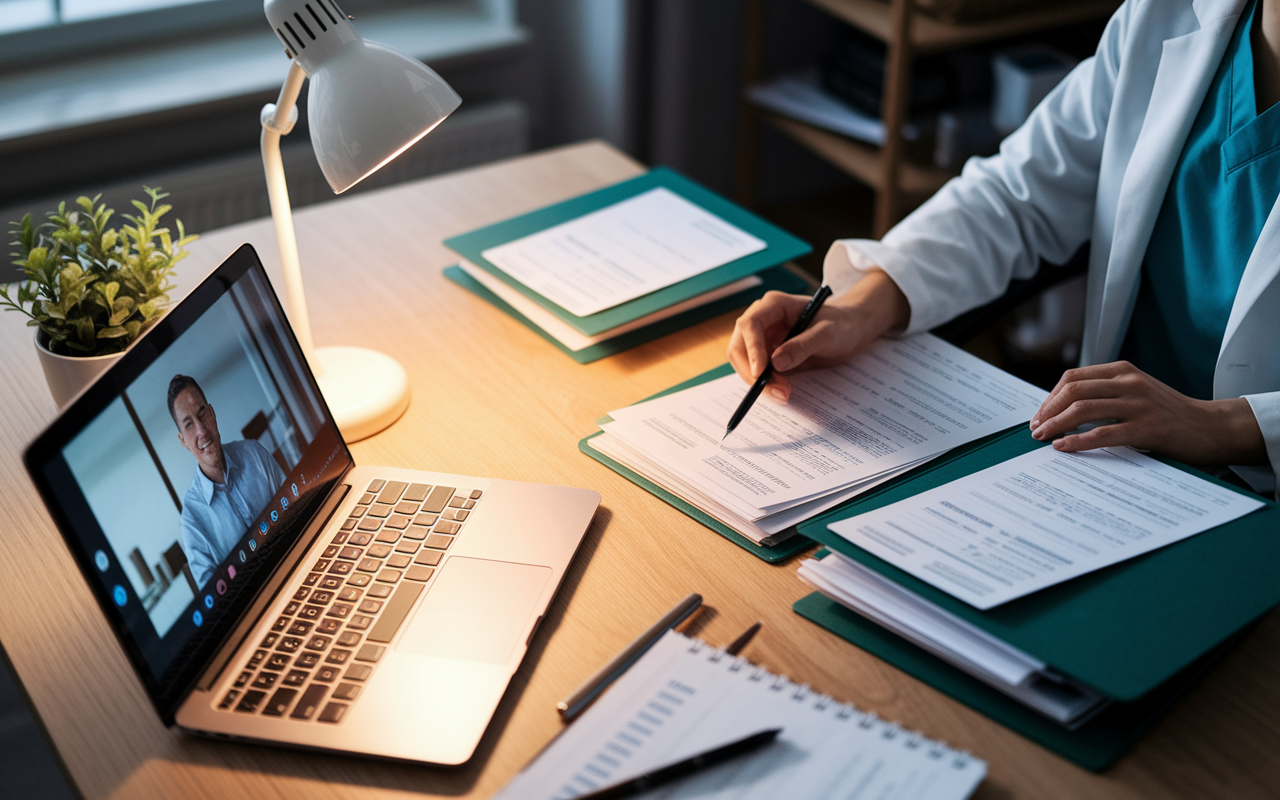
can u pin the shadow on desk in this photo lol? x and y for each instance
(28, 767)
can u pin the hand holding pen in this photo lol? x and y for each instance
(806, 316)
(848, 324)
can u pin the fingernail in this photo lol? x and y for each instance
(776, 394)
(1035, 423)
(782, 363)
(1036, 433)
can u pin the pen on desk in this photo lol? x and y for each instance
(573, 705)
(681, 768)
(743, 640)
(753, 394)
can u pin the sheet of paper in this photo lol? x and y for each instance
(762, 531)
(622, 252)
(576, 341)
(903, 401)
(1040, 519)
(684, 698)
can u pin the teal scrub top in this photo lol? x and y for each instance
(1226, 181)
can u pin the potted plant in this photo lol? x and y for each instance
(90, 290)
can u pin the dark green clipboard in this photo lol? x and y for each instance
(772, 554)
(780, 246)
(1182, 605)
(779, 278)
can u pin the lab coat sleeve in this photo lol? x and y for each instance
(1033, 200)
(1266, 409)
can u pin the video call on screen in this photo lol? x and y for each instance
(190, 468)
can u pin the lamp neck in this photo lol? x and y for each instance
(278, 120)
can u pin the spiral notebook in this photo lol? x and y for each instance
(685, 697)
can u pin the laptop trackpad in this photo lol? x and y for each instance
(476, 610)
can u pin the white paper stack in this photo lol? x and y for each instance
(1011, 671)
(846, 429)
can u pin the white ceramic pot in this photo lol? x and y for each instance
(67, 375)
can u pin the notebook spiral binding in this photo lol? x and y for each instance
(890, 731)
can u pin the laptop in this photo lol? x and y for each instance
(264, 585)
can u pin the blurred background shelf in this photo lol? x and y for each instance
(899, 183)
(930, 34)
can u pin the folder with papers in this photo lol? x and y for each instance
(846, 429)
(619, 266)
(1135, 634)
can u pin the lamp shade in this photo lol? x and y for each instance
(368, 103)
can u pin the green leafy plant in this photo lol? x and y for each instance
(90, 289)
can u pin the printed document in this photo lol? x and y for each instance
(1040, 519)
(622, 252)
(904, 401)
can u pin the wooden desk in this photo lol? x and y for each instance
(491, 398)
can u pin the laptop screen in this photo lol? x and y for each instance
(183, 475)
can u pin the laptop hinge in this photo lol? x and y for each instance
(272, 586)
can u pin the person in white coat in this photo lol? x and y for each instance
(1159, 151)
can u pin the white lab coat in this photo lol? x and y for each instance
(1092, 164)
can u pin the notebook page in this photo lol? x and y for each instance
(684, 698)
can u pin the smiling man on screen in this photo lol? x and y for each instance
(233, 484)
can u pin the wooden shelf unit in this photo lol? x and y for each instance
(899, 184)
(861, 160)
(929, 34)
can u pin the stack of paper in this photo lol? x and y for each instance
(596, 273)
(1008, 531)
(846, 429)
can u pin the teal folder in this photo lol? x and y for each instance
(1137, 632)
(780, 247)
(779, 278)
(771, 554)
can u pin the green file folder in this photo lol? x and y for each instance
(780, 247)
(772, 554)
(1137, 632)
(778, 278)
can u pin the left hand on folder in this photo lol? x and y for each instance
(1148, 415)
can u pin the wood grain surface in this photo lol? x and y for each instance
(491, 398)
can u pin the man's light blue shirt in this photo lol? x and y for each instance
(216, 515)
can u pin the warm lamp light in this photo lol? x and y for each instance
(368, 104)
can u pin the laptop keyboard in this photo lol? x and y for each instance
(327, 641)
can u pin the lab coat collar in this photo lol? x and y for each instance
(1210, 11)
(1260, 271)
(1188, 63)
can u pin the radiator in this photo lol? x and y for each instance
(218, 193)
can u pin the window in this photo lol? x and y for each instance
(17, 15)
(37, 30)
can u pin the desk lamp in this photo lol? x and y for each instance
(368, 104)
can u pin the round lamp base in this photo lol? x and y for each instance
(366, 390)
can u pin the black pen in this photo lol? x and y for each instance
(753, 394)
(574, 704)
(688, 766)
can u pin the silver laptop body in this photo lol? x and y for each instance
(368, 610)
